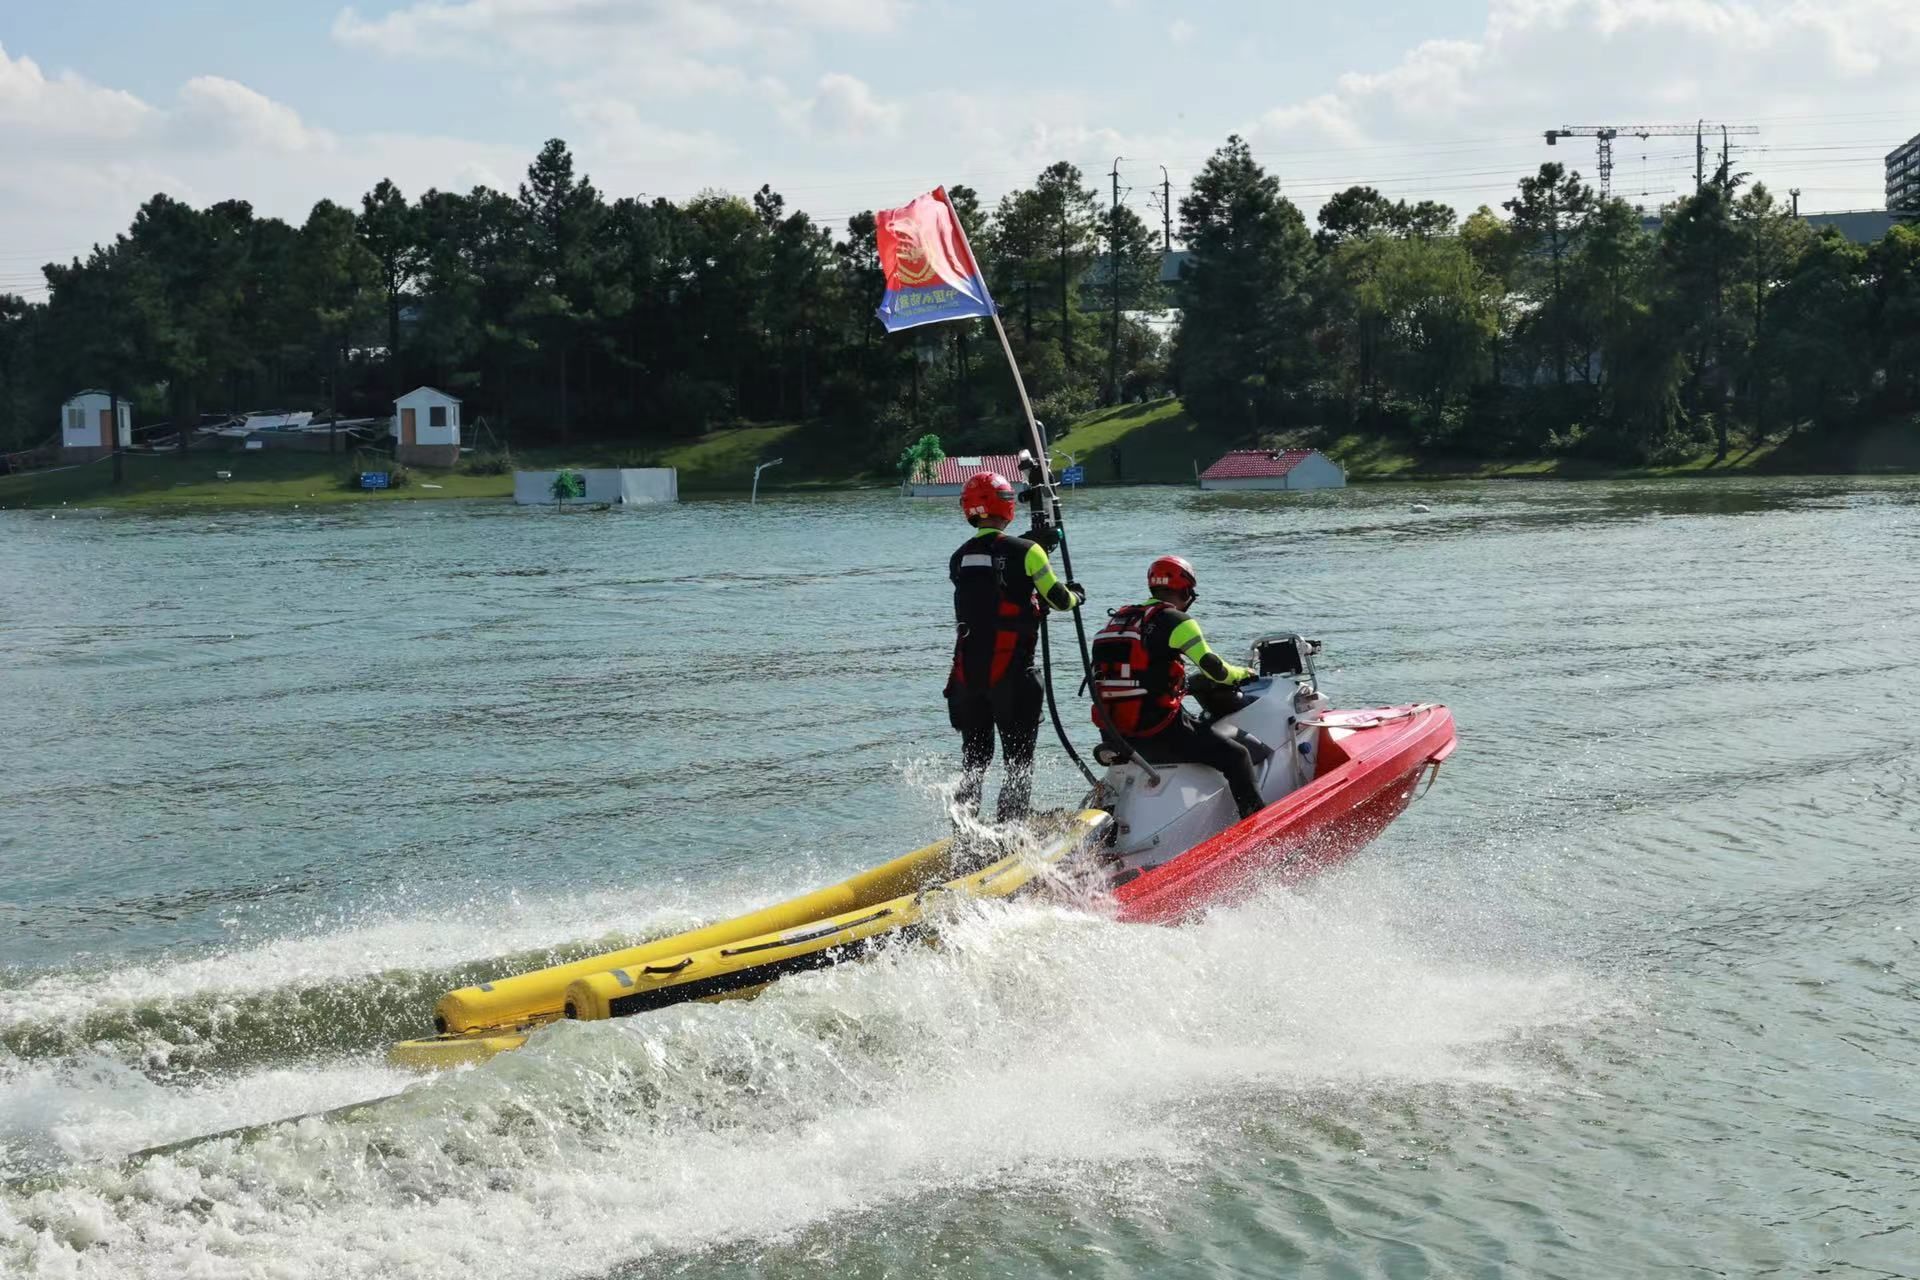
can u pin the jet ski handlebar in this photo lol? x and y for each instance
(1283, 654)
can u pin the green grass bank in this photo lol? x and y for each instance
(1158, 442)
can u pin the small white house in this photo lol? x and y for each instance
(1274, 469)
(426, 427)
(86, 423)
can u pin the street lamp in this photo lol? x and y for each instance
(756, 477)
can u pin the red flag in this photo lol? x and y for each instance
(931, 274)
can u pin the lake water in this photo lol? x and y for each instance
(1632, 991)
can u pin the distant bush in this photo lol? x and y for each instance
(1058, 409)
(490, 463)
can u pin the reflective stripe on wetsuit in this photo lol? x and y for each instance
(1191, 645)
(1138, 678)
(1001, 587)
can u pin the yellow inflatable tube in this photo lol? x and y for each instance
(730, 957)
(738, 967)
(538, 995)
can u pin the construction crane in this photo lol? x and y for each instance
(1604, 134)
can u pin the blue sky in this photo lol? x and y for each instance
(844, 104)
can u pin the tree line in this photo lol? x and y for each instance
(564, 316)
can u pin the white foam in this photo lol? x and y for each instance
(100, 1108)
(1037, 1048)
(345, 951)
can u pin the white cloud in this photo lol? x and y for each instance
(844, 107)
(1180, 31)
(670, 96)
(217, 111)
(666, 47)
(1564, 58)
(1536, 64)
(76, 159)
(64, 105)
(626, 152)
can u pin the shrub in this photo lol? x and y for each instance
(1058, 409)
(490, 463)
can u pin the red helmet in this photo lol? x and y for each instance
(987, 493)
(1172, 572)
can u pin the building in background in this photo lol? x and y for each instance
(87, 426)
(600, 486)
(1274, 469)
(1903, 177)
(426, 428)
(953, 473)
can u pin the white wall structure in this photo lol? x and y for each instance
(1288, 469)
(624, 486)
(426, 416)
(82, 424)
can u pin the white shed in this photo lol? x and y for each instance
(426, 427)
(85, 419)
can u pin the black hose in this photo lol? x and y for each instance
(1086, 656)
(1053, 708)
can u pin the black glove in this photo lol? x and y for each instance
(1079, 592)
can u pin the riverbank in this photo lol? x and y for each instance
(1160, 443)
(1153, 443)
(719, 462)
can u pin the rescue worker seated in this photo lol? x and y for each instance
(1140, 676)
(1002, 586)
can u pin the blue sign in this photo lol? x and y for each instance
(1074, 475)
(373, 480)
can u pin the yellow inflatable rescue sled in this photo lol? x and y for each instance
(737, 956)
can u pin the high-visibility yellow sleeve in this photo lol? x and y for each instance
(1188, 641)
(1045, 581)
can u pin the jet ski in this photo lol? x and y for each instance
(898, 901)
(1335, 779)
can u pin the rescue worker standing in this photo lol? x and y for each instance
(1002, 587)
(1140, 675)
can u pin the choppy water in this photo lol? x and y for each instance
(1632, 991)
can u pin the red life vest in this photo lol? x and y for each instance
(995, 609)
(1135, 687)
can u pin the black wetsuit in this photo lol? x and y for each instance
(1184, 740)
(1002, 586)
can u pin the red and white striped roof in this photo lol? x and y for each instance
(960, 470)
(1256, 464)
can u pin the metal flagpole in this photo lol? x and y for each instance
(1042, 496)
(1035, 445)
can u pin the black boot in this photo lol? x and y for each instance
(1257, 751)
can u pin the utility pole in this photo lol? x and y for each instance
(1066, 314)
(1726, 158)
(1113, 270)
(1795, 193)
(1166, 211)
(1604, 135)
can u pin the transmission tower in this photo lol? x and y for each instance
(1604, 134)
